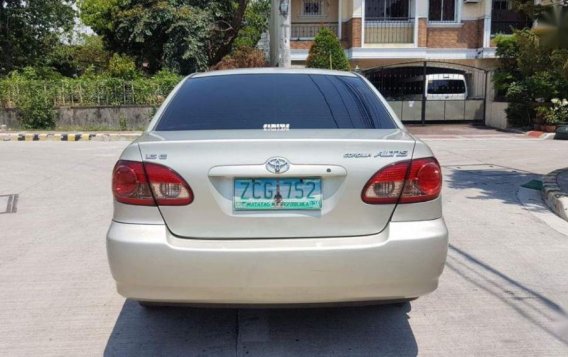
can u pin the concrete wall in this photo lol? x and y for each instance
(496, 116)
(92, 118)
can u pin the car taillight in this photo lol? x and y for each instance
(168, 187)
(405, 182)
(149, 184)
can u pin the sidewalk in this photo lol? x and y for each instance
(555, 192)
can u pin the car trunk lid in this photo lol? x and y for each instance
(210, 161)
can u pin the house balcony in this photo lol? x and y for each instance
(389, 22)
(308, 17)
(389, 30)
(302, 31)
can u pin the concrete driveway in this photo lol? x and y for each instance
(504, 291)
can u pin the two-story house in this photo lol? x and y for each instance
(379, 32)
(431, 59)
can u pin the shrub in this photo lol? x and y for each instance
(530, 72)
(327, 53)
(123, 67)
(36, 112)
(555, 114)
(520, 111)
(242, 57)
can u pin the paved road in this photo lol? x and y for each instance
(504, 291)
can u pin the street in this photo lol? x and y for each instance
(504, 291)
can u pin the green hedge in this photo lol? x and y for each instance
(15, 93)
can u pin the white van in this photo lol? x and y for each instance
(442, 86)
(446, 87)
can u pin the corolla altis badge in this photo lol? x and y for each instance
(382, 154)
(392, 153)
(356, 155)
(277, 165)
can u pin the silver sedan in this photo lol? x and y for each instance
(268, 186)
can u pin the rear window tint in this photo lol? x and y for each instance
(443, 86)
(261, 101)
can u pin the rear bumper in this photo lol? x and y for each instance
(404, 261)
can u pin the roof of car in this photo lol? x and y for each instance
(274, 71)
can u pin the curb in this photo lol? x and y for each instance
(553, 195)
(540, 135)
(69, 136)
(532, 134)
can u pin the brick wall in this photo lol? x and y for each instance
(301, 45)
(422, 32)
(470, 35)
(352, 33)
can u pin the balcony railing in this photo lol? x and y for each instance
(307, 31)
(389, 30)
(506, 21)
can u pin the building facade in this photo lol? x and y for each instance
(378, 33)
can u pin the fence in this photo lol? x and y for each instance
(433, 91)
(302, 30)
(378, 31)
(83, 93)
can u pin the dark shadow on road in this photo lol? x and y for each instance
(180, 331)
(492, 182)
(535, 307)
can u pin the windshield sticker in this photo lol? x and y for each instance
(276, 127)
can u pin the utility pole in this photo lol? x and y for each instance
(285, 34)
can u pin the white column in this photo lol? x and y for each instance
(285, 35)
(339, 19)
(416, 23)
(487, 23)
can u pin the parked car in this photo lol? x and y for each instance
(269, 186)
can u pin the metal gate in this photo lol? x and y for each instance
(433, 91)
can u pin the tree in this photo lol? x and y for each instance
(184, 35)
(73, 60)
(29, 30)
(255, 23)
(327, 53)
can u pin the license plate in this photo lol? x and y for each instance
(262, 194)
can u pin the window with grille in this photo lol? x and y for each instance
(312, 8)
(387, 10)
(443, 11)
(502, 5)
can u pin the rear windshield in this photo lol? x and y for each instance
(446, 86)
(275, 102)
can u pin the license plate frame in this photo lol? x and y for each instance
(296, 194)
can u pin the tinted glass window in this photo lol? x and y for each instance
(253, 101)
(446, 87)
